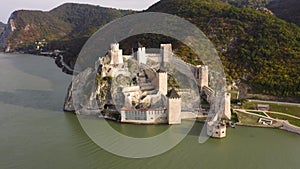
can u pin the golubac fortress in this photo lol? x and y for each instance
(143, 93)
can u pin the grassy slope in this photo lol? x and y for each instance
(292, 110)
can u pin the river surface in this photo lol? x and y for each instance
(36, 134)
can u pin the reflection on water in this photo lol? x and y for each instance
(35, 133)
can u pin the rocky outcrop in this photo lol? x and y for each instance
(68, 105)
(81, 98)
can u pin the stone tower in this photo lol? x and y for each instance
(162, 81)
(116, 54)
(201, 74)
(216, 129)
(174, 107)
(141, 55)
(166, 53)
(227, 111)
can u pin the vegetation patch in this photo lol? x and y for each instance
(287, 109)
(247, 119)
(291, 120)
(257, 112)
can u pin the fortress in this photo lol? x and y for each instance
(144, 96)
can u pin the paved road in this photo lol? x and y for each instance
(274, 102)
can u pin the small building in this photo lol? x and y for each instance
(265, 121)
(216, 129)
(263, 107)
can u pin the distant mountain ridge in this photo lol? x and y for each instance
(64, 24)
(2, 26)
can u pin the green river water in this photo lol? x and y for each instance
(36, 134)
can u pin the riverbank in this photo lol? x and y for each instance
(252, 120)
(58, 57)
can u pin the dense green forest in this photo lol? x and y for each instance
(258, 48)
(261, 49)
(284, 9)
(67, 26)
(248, 3)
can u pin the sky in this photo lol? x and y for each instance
(8, 6)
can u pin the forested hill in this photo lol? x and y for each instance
(248, 3)
(86, 19)
(67, 26)
(288, 10)
(259, 48)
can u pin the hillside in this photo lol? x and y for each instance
(67, 26)
(288, 10)
(248, 3)
(260, 49)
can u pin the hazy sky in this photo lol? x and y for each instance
(8, 6)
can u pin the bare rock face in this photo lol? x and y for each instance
(68, 105)
(83, 89)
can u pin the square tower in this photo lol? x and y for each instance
(227, 111)
(174, 107)
(201, 74)
(141, 55)
(162, 81)
(116, 54)
(166, 53)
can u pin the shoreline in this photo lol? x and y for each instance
(285, 125)
(281, 124)
(284, 128)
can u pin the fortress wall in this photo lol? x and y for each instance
(188, 115)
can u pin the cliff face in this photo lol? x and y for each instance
(26, 27)
(66, 23)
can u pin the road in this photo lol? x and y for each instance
(274, 102)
